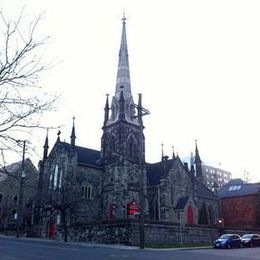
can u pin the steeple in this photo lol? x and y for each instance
(73, 135)
(123, 74)
(46, 146)
(123, 86)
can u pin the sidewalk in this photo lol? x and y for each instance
(116, 246)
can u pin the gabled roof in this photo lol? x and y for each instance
(237, 188)
(85, 155)
(155, 171)
(181, 203)
(203, 191)
(88, 156)
(15, 168)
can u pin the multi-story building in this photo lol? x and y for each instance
(10, 181)
(215, 177)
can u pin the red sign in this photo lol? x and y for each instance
(132, 208)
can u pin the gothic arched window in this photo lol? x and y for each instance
(87, 191)
(132, 151)
(112, 144)
(55, 183)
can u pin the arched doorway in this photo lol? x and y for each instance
(190, 219)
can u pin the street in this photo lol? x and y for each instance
(33, 249)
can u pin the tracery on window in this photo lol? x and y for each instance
(87, 191)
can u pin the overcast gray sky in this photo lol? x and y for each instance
(197, 64)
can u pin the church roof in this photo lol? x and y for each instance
(203, 191)
(157, 170)
(86, 156)
(181, 203)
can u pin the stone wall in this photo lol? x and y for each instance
(128, 233)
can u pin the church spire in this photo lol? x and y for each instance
(73, 135)
(46, 146)
(123, 75)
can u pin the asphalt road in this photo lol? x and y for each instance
(26, 249)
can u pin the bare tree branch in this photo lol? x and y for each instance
(22, 101)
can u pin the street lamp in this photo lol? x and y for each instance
(20, 199)
(181, 235)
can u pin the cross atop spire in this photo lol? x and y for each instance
(124, 18)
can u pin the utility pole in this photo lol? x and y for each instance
(140, 113)
(19, 220)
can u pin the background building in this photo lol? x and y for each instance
(9, 194)
(240, 204)
(215, 177)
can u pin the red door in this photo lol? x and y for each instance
(190, 219)
(51, 230)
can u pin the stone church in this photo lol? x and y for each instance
(79, 186)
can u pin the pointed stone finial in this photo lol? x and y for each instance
(173, 154)
(73, 135)
(197, 156)
(46, 145)
(162, 145)
(106, 110)
(58, 134)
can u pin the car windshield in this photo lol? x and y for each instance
(247, 236)
(225, 236)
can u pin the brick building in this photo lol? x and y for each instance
(239, 203)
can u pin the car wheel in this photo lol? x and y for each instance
(240, 245)
(251, 244)
(228, 246)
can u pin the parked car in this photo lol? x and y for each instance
(228, 241)
(250, 240)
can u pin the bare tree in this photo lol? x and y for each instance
(22, 101)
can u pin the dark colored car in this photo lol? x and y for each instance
(228, 241)
(250, 240)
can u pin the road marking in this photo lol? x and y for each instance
(119, 256)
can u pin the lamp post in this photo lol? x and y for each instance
(180, 216)
(20, 199)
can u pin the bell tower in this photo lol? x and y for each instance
(122, 143)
